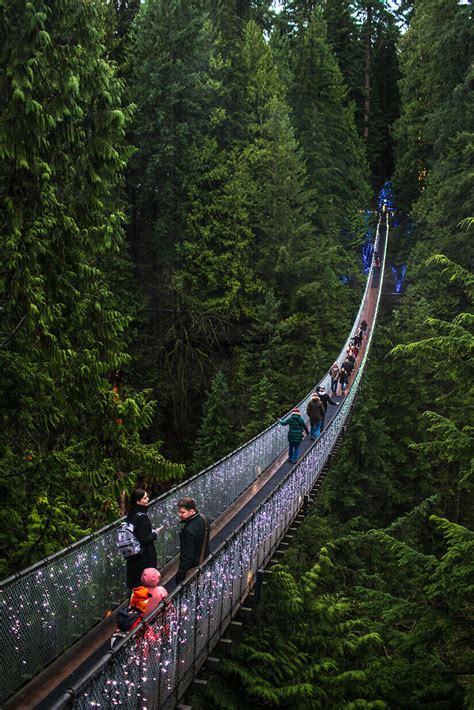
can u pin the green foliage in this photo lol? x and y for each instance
(326, 131)
(64, 451)
(249, 248)
(436, 53)
(384, 107)
(214, 438)
(316, 657)
(447, 444)
(344, 36)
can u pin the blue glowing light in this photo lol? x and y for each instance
(367, 251)
(344, 279)
(399, 277)
(386, 198)
(368, 245)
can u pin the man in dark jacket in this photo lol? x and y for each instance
(194, 538)
(325, 399)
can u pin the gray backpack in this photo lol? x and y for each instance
(127, 544)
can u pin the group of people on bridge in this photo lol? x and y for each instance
(143, 577)
(318, 404)
(194, 538)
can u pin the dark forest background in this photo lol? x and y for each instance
(184, 189)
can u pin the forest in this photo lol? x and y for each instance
(188, 189)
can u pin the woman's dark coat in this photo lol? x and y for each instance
(144, 534)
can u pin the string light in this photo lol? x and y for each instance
(209, 597)
(399, 277)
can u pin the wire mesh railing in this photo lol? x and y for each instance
(154, 666)
(47, 607)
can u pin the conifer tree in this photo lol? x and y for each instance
(69, 443)
(446, 435)
(260, 371)
(320, 654)
(420, 610)
(119, 16)
(344, 36)
(443, 209)
(326, 131)
(214, 439)
(283, 213)
(169, 58)
(384, 95)
(436, 52)
(262, 248)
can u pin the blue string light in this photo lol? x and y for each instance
(386, 198)
(399, 278)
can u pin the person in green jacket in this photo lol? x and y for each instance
(296, 425)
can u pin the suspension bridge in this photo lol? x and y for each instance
(58, 615)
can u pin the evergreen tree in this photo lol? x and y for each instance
(420, 612)
(169, 59)
(436, 52)
(444, 206)
(319, 655)
(67, 437)
(384, 95)
(288, 248)
(170, 55)
(296, 14)
(214, 439)
(119, 17)
(261, 369)
(447, 441)
(344, 36)
(251, 245)
(326, 131)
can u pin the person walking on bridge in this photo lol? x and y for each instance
(194, 538)
(343, 379)
(296, 425)
(315, 412)
(347, 365)
(334, 373)
(325, 399)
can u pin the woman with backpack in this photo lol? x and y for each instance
(145, 535)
